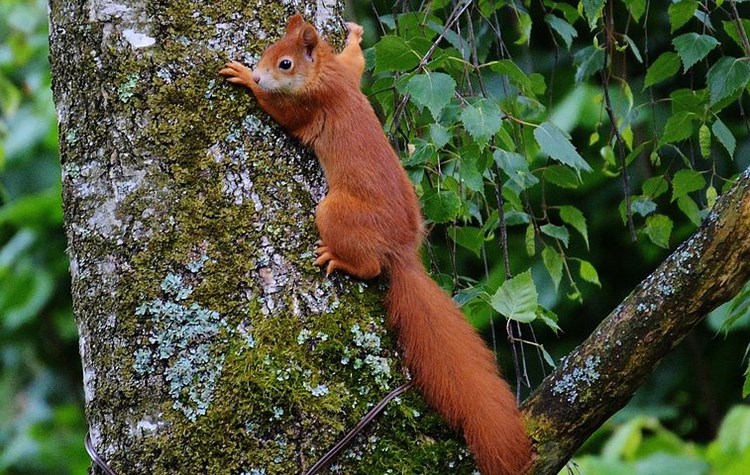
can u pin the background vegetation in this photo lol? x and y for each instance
(469, 144)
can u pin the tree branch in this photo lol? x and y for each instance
(601, 375)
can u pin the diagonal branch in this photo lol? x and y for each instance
(601, 375)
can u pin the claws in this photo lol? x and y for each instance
(324, 256)
(331, 267)
(236, 73)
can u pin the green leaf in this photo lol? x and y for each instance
(726, 77)
(440, 135)
(730, 27)
(642, 207)
(392, 53)
(517, 298)
(471, 175)
(469, 237)
(678, 127)
(691, 210)
(687, 100)
(686, 181)
(589, 60)
(563, 28)
(574, 217)
(411, 25)
(558, 232)
(665, 66)
(593, 11)
(725, 136)
(464, 296)
(515, 74)
(681, 12)
(433, 90)
(562, 176)
(588, 273)
(658, 229)
(655, 186)
(711, 196)
(514, 218)
(570, 12)
(482, 120)
(524, 24)
(553, 261)
(538, 86)
(516, 167)
(552, 325)
(633, 48)
(441, 206)
(555, 143)
(693, 47)
(636, 8)
(733, 433)
(424, 152)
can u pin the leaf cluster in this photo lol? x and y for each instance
(504, 143)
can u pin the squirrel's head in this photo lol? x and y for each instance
(287, 65)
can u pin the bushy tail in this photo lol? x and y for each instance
(456, 372)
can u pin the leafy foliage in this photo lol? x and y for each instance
(41, 421)
(642, 446)
(498, 144)
(506, 129)
(554, 128)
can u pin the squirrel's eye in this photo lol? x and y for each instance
(285, 64)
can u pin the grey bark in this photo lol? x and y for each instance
(210, 344)
(209, 341)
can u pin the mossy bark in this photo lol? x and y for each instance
(210, 343)
(601, 375)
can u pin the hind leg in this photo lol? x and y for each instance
(348, 241)
(362, 269)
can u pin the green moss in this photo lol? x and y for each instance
(247, 359)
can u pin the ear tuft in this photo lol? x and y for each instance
(294, 22)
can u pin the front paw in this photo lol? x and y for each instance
(237, 73)
(355, 33)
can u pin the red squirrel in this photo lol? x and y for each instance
(370, 223)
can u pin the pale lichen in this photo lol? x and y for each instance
(183, 338)
(574, 383)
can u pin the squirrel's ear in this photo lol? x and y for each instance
(308, 39)
(294, 22)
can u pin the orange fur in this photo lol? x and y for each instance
(370, 223)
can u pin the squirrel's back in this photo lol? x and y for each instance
(370, 222)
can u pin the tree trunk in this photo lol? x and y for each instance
(601, 375)
(210, 343)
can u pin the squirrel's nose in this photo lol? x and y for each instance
(256, 77)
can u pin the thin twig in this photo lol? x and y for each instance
(613, 120)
